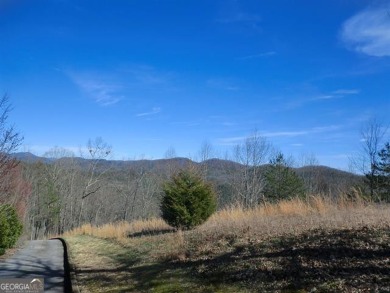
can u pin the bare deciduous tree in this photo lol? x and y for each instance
(251, 154)
(54, 197)
(206, 152)
(14, 189)
(372, 134)
(170, 153)
(98, 151)
(10, 140)
(130, 192)
(310, 174)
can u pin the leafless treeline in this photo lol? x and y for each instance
(13, 188)
(68, 191)
(65, 191)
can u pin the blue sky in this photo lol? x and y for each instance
(150, 75)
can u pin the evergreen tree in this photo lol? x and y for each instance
(10, 227)
(281, 180)
(188, 200)
(383, 171)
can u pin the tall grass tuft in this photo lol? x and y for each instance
(235, 223)
(120, 230)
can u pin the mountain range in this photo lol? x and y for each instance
(328, 180)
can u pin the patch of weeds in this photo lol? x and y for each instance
(315, 261)
(331, 286)
(319, 260)
(105, 266)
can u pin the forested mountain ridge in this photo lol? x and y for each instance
(218, 170)
(67, 192)
(151, 164)
(214, 166)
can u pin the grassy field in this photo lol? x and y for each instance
(294, 246)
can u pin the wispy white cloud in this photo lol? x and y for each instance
(154, 111)
(260, 55)
(325, 97)
(99, 87)
(346, 92)
(337, 94)
(328, 128)
(281, 134)
(368, 32)
(314, 130)
(285, 133)
(238, 16)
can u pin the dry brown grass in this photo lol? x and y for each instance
(234, 239)
(120, 230)
(269, 219)
(235, 224)
(238, 226)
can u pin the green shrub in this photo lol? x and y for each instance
(188, 200)
(10, 227)
(4, 230)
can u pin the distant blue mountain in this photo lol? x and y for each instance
(220, 171)
(30, 158)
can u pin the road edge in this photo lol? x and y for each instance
(70, 281)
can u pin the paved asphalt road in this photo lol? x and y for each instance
(40, 259)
